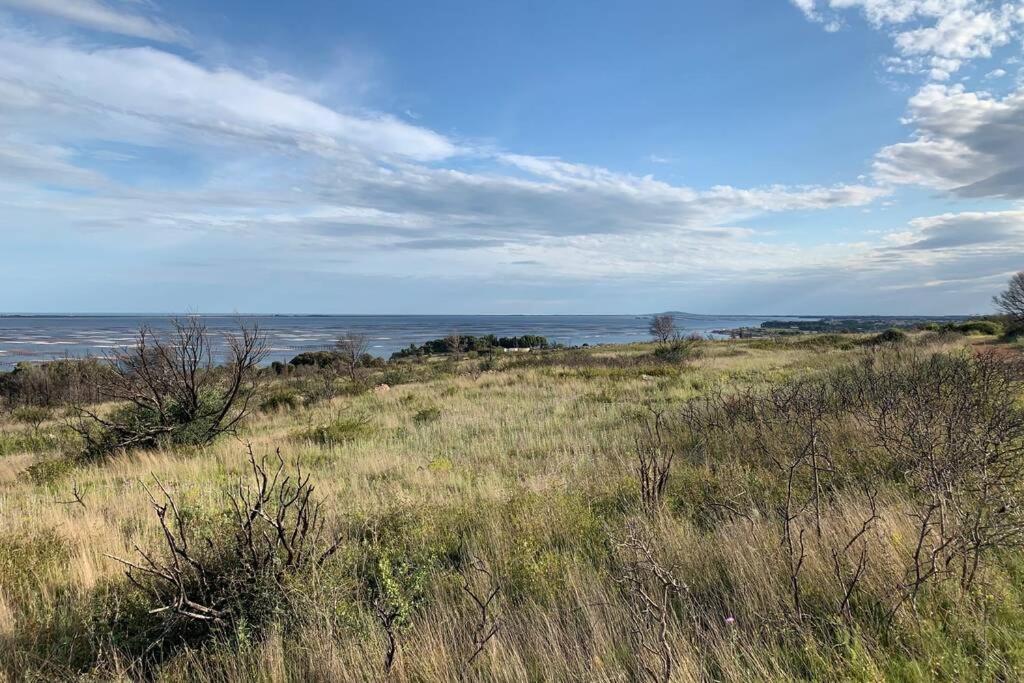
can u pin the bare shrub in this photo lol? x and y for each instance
(664, 436)
(951, 423)
(789, 427)
(172, 390)
(76, 497)
(787, 431)
(352, 349)
(486, 624)
(648, 587)
(851, 560)
(453, 343)
(202, 584)
(654, 457)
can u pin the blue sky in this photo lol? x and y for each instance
(737, 156)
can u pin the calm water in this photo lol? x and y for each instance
(47, 337)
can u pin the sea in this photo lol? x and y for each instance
(49, 337)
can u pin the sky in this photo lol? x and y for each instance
(591, 156)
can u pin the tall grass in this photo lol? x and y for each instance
(529, 466)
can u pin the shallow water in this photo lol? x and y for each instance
(48, 337)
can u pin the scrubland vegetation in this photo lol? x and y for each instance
(826, 507)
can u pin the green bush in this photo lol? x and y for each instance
(56, 383)
(134, 426)
(341, 430)
(987, 327)
(319, 359)
(57, 438)
(33, 415)
(679, 350)
(49, 472)
(890, 336)
(282, 398)
(842, 342)
(470, 343)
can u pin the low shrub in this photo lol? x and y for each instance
(1014, 333)
(987, 327)
(334, 359)
(50, 471)
(32, 414)
(341, 430)
(842, 342)
(427, 415)
(136, 426)
(679, 350)
(50, 440)
(890, 336)
(228, 579)
(457, 344)
(172, 390)
(282, 398)
(319, 359)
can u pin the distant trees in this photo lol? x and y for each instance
(663, 327)
(54, 383)
(456, 343)
(1011, 302)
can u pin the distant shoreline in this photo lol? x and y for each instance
(678, 314)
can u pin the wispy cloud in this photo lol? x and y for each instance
(98, 16)
(352, 170)
(146, 94)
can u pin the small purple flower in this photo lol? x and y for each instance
(730, 621)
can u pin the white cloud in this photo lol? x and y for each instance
(968, 142)
(98, 16)
(935, 37)
(958, 35)
(973, 230)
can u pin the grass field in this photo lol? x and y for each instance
(527, 465)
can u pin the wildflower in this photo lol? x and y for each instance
(730, 621)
